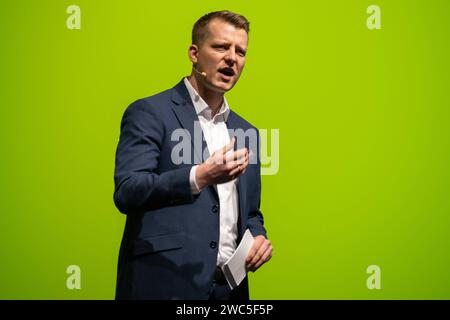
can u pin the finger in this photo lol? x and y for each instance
(217, 157)
(259, 254)
(243, 158)
(244, 165)
(240, 163)
(228, 146)
(236, 155)
(255, 247)
(252, 156)
(224, 152)
(241, 154)
(250, 255)
(236, 169)
(265, 257)
(235, 172)
(265, 245)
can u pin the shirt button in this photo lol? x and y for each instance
(213, 244)
(215, 208)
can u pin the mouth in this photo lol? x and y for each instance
(227, 71)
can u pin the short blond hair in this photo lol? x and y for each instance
(200, 30)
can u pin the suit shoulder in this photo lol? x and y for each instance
(244, 124)
(152, 104)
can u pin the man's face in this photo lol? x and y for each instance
(221, 56)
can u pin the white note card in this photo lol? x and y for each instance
(234, 269)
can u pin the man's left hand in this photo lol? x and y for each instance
(260, 253)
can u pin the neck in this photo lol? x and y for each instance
(213, 98)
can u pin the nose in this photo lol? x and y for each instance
(230, 57)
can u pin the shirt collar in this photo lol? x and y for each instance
(201, 107)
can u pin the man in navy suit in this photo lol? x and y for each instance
(185, 219)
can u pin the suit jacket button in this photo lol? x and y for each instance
(213, 244)
(215, 208)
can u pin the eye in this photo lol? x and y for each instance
(220, 47)
(241, 53)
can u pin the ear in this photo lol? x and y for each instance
(193, 53)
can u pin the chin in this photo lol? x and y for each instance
(226, 86)
(221, 87)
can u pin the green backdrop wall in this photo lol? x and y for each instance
(363, 120)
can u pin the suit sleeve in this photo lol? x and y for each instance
(255, 220)
(138, 184)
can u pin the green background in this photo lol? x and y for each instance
(364, 129)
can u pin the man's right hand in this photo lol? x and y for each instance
(222, 167)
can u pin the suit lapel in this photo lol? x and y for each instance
(186, 115)
(232, 125)
(185, 112)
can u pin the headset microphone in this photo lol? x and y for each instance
(202, 73)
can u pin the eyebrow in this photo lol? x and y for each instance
(225, 42)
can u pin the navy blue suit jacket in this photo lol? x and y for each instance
(170, 242)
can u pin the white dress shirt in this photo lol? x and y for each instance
(216, 135)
